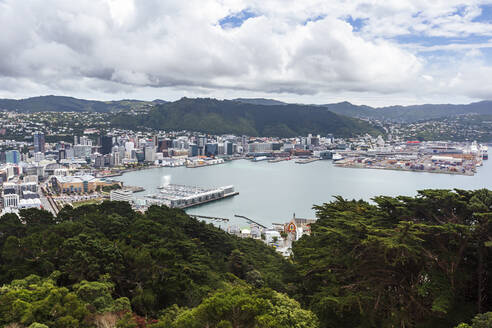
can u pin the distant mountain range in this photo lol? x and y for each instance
(260, 101)
(409, 114)
(403, 114)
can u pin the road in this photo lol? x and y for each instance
(45, 202)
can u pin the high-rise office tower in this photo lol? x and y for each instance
(39, 142)
(106, 144)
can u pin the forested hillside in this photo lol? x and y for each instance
(70, 104)
(409, 114)
(249, 120)
(220, 117)
(419, 261)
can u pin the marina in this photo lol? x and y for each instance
(204, 162)
(181, 196)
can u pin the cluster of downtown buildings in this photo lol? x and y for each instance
(86, 164)
(33, 168)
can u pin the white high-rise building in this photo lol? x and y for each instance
(38, 157)
(121, 195)
(129, 146)
(11, 200)
(149, 154)
(116, 159)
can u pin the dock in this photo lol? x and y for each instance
(134, 188)
(213, 218)
(181, 196)
(250, 220)
(278, 159)
(306, 160)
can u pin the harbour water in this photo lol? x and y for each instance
(273, 192)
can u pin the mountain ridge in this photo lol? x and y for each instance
(394, 113)
(214, 116)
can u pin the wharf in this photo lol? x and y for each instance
(180, 196)
(213, 218)
(134, 188)
(306, 160)
(279, 159)
(204, 163)
(211, 200)
(359, 166)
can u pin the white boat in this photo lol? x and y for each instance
(337, 157)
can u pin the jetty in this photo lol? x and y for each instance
(181, 196)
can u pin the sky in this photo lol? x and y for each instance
(380, 52)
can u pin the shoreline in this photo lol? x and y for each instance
(351, 166)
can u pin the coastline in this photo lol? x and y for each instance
(352, 166)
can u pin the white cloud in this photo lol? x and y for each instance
(291, 49)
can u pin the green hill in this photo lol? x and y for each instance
(70, 104)
(402, 114)
(226, 116)
(409, 114)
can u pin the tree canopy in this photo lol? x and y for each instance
(404, 261)
(393, 262)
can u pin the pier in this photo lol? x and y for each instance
(134, 188)
(251, 221)
(213, 218)
(180, 196)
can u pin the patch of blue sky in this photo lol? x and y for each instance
(460, 11)
(356, 23)
(435, 54)
(313, 19)
(487, 55)
(485, 16)
(445, 55)
(428, 41)
(237, 19)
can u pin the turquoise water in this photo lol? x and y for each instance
(272, 192)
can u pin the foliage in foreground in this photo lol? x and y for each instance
(483, 320)
(35, 301)
(241, 306)
(156, 259)
(398, 262)
(40, 302)
(401, 262)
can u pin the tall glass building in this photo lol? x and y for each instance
(39, 142)
(12, 156)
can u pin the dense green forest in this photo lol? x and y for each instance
(70, 104)
(411, 114)
(400, 262)
(419, 261)
(220, 117)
